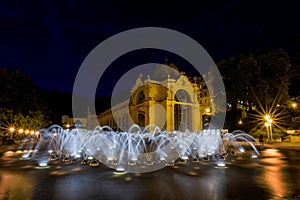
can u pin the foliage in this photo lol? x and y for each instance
(20, 102)
(257, 80)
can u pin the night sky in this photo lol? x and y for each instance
(49, 39)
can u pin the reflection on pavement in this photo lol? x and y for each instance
(273, 177)
(14, 186)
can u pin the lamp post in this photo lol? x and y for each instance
(267, 127)
(293, 112)
(268, 124)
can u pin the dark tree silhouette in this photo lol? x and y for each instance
(20, 102)
(259, 79)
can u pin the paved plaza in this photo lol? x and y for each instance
(274, 175)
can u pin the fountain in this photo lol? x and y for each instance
(137, 150)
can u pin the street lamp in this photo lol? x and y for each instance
(207, 110)
(11, 130)
(268, 124)
(294, 105)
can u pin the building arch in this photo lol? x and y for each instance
(182, 110)
(182, 95)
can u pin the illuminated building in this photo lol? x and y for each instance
(171, 102)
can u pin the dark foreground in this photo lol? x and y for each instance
(275, 175)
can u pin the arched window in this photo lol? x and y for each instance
(182, 96)
(140, 97)
(182, 117)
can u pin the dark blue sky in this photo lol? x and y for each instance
(49, 39)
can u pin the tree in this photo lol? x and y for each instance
(255, 80)
(273, 79)
(231, 78)
(295, 68)
(20, 103)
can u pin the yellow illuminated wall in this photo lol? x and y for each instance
(172, 104)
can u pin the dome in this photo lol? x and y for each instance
(162, 71)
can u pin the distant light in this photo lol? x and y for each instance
(25, 156)
(21, 130)
(242, 149)
(294, 105)
(120, 171)
(11, 129)
(109, 158)
(221, 164)
(133, 159)
(207, 110)
(42, 164)
(254, 156)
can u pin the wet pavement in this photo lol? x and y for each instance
(274, 175)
